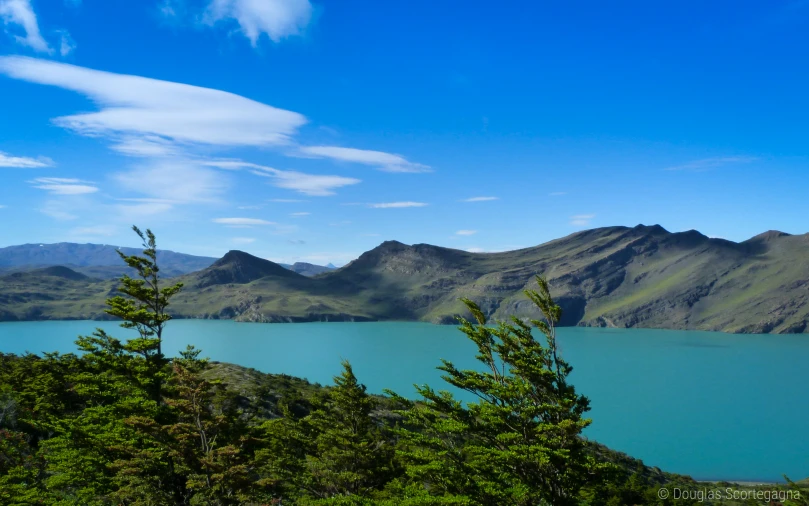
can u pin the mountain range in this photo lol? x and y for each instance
(624, 277)
(102, 260)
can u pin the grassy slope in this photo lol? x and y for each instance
(617, 276)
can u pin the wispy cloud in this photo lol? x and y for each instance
(66, 43)
(24, 162)
(146, 146)
(712, 163)
(475, 249)
(19, 15)
(178, 180)
(143, 208)
(243, 240)
(298, 215)
(480, 199)
(466, 232)
(309, 184)
(63, 186)
(242, 222)
(386, 162)
(173, 130)
(581, 220)
(92, 232)
(395, 205)
(275, 18)
(144, 108)
(296, 242)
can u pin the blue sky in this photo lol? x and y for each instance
(305, 130)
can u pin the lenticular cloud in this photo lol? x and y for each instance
(133, 106)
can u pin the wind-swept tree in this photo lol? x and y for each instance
(142, 306)
(143, 303)
(520, 442)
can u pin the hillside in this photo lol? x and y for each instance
(248, 288)
(308, 269)
(617, 277)
(96, 260)
(102, 260)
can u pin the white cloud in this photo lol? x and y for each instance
(23, 162)
(394, 205)
(133, 106)
(386, 162)
(308, 184)
(712, 163)
(58, 210)
(242, 222)
(143, 208)
(300, 214)
(63, 186)
(146, 146)
(276, 18)
(581, 220)
(480, 199)
(3, 206)
(243, 240)
(175, 127)
(466, 232)
(20, 14)
(475, 249)
(249, 208)
(174, 180)
(95, 231)
(66, 43)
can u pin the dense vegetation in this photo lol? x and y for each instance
(121, 423)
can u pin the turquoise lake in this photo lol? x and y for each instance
(714, 406)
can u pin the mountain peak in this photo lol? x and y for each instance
(651, 229)
(768, 236)
(236, 256)
(239, 267)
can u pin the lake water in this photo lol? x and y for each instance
(714, 406)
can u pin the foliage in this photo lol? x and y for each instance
(520, 443)
(121, 424)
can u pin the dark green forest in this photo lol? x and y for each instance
(120, 423)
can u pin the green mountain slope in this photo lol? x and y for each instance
(103, 257)
(618, 276)
(248, 288)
